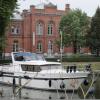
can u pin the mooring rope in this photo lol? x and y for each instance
(20, 87)
(85, 94)
(25, 84)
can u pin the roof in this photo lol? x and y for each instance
(42, 5)
(50, 5)
(17, 16)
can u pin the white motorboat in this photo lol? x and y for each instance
(35, 72)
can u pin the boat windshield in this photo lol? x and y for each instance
(27, 56)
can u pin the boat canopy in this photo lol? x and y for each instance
(27, 56)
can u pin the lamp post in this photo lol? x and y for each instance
(61, 46)
(49, 49)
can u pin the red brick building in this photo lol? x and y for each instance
(35, 30)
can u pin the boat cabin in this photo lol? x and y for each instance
(33, 62)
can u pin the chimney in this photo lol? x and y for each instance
(67, 6)
(24, 13)
(32, 8)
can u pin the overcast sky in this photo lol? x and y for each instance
(88, 6)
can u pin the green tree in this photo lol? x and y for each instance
(6, 9)
(74, 25)
(93, 36)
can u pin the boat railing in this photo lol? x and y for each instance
(74, 67)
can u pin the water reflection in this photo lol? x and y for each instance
(48, 95)
(31, 94)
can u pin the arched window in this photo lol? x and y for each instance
(15, 46)
(50, 28)
(39, 28)
(39, 46)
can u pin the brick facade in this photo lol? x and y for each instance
(35, 30)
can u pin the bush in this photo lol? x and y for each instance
(5, 61)
(77, 58)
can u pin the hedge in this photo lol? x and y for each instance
(73, 58)
(76, 59)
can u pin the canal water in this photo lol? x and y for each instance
(31, 94)
(6, 93)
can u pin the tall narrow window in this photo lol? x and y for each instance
(12, 29)
(17, 30)
(39, 28)
(39, 47)
(50, 28)
(15, 46)
(50, 47)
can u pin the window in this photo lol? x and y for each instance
(39, 46)
(39, 28)
(12, 29)
(50, 47)
(50, 28)
(15, 46)
(31, 68)
(15, 30)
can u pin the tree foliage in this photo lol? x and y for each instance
(6, 9)
(93, 36)
(74, 25)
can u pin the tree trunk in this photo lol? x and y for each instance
(0, 55)
(97, 52)
(74, 47)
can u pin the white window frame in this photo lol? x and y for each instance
(39, 28)
(50, 28)
(39, 46)
(15, 46)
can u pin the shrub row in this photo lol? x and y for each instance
(66, 59)
(5, 61)
(77, 59)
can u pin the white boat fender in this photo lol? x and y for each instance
(62, 85)
(50, 83)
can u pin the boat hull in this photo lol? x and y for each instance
(44, 84)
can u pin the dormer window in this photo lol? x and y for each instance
(15, 30)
